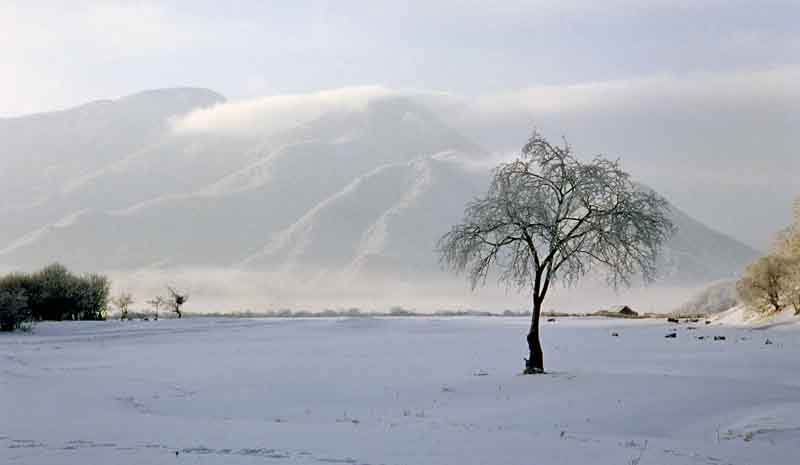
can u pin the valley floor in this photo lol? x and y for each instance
(397, 391)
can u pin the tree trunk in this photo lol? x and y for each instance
(535, 363)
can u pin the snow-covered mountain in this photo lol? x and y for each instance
(356, 191)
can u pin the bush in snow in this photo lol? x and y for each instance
(715, 298)
(54, 293)
(14, 309)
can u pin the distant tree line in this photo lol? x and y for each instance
(174, 302)
(772, 282)
(53, 293)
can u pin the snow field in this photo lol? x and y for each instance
(397, 391)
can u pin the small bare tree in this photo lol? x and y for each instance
(176, 301)
(548, 216)
(122, 301)
(157, 302)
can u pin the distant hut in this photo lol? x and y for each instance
(623, 310)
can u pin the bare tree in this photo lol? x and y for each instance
(122, 301)
(157, 302)
(177, 300)
(549, 217)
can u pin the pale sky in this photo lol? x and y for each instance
(63, 53)
(699, 98)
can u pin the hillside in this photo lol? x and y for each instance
(354, 192)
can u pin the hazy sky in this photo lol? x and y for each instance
(66, 52)
(698, 98)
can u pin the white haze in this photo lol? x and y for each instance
(230, 291)
(225, 290)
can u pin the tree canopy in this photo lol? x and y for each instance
(548, 216)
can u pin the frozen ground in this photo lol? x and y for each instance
(397, 391)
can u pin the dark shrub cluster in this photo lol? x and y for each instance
(14, 308)
(53, 293)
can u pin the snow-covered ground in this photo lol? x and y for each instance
(741, 316)
(397, 391)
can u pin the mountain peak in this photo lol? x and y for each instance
(189, 95)
(168, 102)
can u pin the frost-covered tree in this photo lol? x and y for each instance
(157, 302)
(122, 301)
(772, 282)
(788, 242)
(549, 217)
(715, 298)
(792, 285)
(763, 286)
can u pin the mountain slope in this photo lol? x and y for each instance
(699, 254)
(43, 153)
(353, 193)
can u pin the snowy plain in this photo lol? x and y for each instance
(398, 391)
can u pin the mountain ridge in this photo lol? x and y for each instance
(350, 193)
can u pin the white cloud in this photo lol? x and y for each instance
(272, 114)
(705, 89)
(697, 117)
(713, 97)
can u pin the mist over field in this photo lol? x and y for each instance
(227, 291)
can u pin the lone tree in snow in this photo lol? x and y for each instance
(177, 300)
(549, 217)
(157, 302)
(123, 301)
